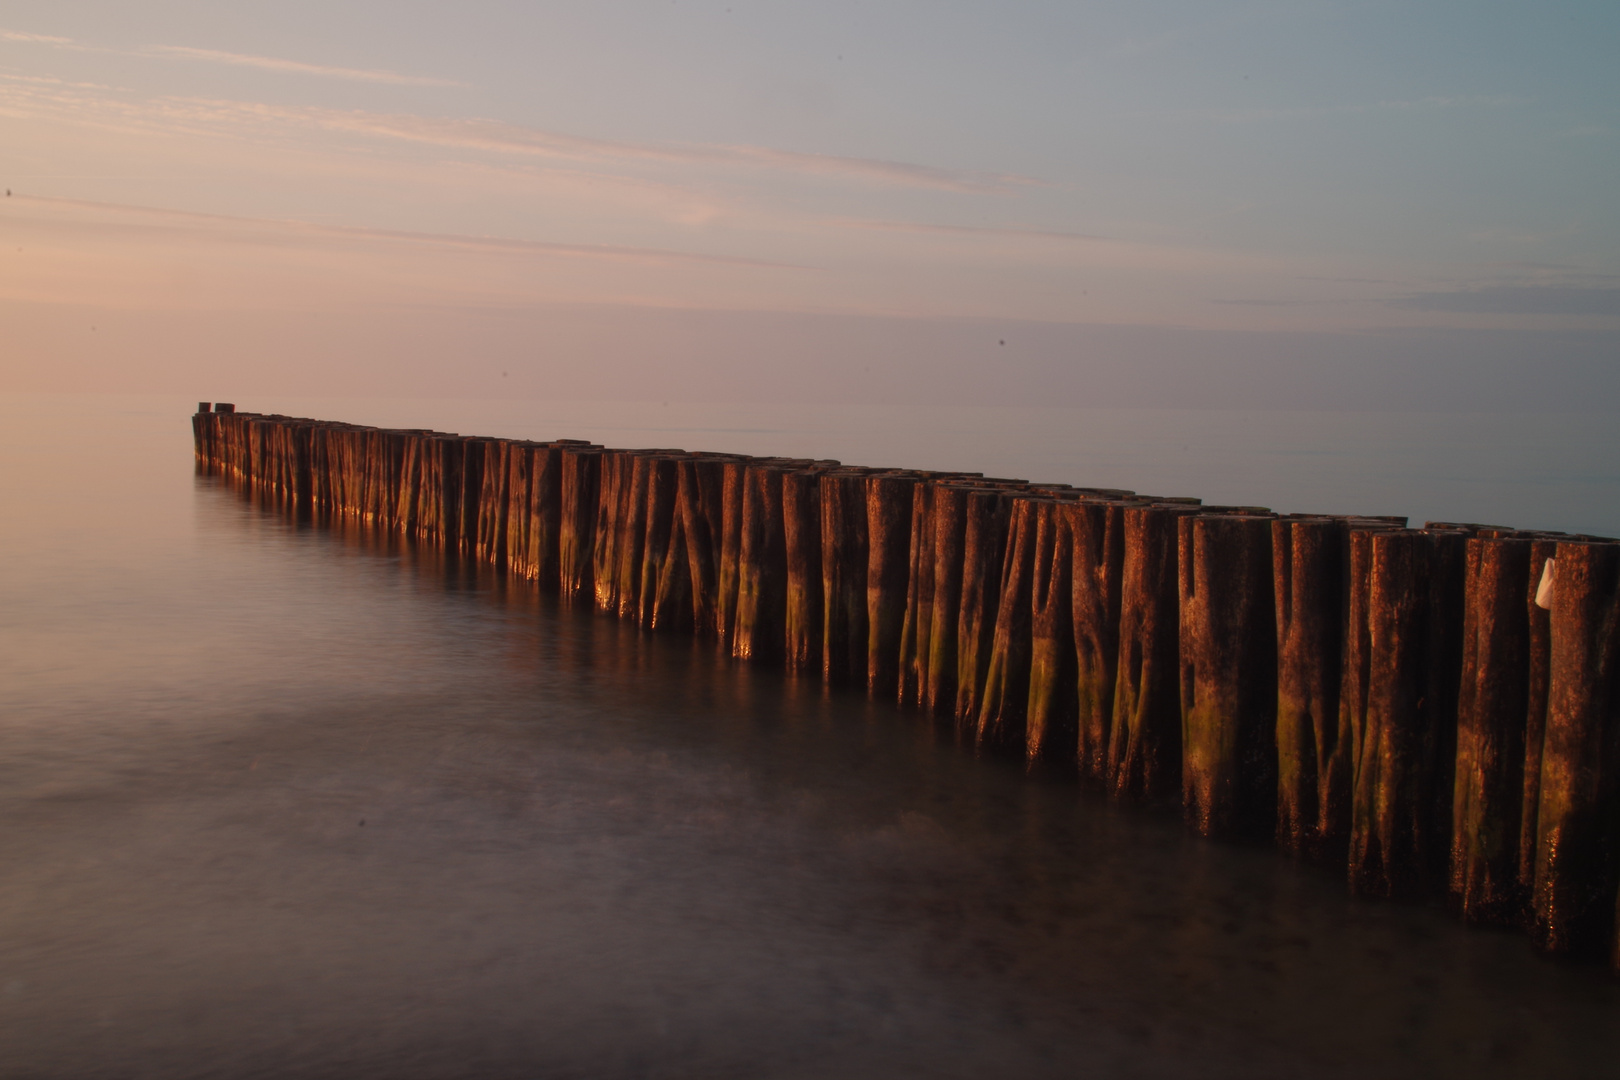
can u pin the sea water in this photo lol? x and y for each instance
(279, 798)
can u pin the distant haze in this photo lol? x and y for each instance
(1248, 205)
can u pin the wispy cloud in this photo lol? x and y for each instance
(1344, 280)
(215, 56)
(40, 39)
(1080, 248)
(971, 230)
(500, 137)
(1517, 300)
(1308, 112)
(297, 67)
(185, 219)
(218, 116)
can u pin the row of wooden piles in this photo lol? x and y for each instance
(1394, 699)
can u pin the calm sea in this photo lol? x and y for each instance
(283, 800)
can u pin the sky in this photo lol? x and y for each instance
(1290, 204)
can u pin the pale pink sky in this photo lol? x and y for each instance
(651, 198)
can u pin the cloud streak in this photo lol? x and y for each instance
(1517, 300)
(185, 218)
(1428, 104)
(209, 116)
(215, 56)
(973, 230)
(297, 67)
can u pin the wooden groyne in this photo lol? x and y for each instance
(1437, 710)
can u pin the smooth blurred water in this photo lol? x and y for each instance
(278, 799)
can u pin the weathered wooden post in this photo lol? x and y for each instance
(329, 463)
(734, 480)
(389, 448)
(1573, 903)
(631, 523)
(844, 561)
(888, 537)
(1404, 743)
(350, 483)
(918, 626)
(329, 443)
(1310, 560)
(523, 460)
(702, 517)
(449, 463)
(1492, 700)
(365, 485)
(664, 600)
(1004, 711)
(472, 491)
(413, 464)
(1228, 674)
(578, 512)
(494, 502)
(1050, 726)
(803, 633)
(543, 536)
(609, 532)
(1096, 529)
(199, 435)
(1543, 546)
(948, 509)
(1144, 749)
(360, 480)
(761, 567)
(984, 544)
(303, 475)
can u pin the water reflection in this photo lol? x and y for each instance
(288, 797)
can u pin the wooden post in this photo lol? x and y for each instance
(984, 542)
(494, 502)
(803, 633)
(761, 567)
(1228, 675)
(888, 537)
(665, 600)
(1097, 563)
(733, 482)
(199, 435)
(1573, 903)
(1404, 748)
(1144, 750)
(1050, 727)
(948, 507)
(545, 511)
(631, 523)
(1492, 700)
(1310, 559)
(1543, 546)
(1003, 714)
(522, 460)
(472, 492)
(918, 625)
(844, 561)
(412, 489)
(608, 531)
(449, 462)
(702, 517)
(577, 516)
